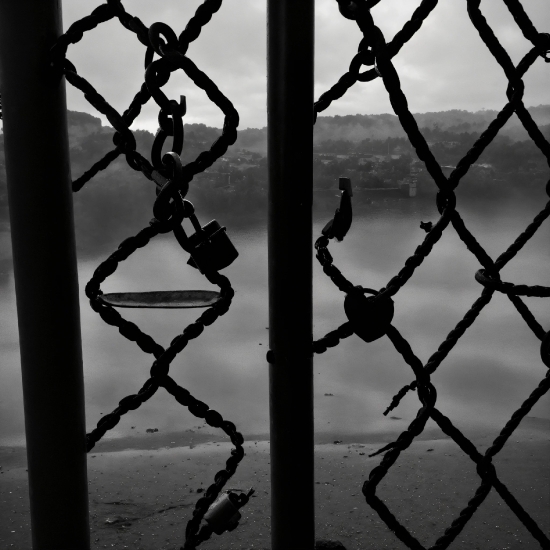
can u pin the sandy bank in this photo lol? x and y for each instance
(142, 498)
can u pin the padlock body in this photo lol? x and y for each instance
(211, 249)
(222, 514)
(370, 319)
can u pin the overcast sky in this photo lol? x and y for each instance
(445, 66)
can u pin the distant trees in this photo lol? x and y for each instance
(118, 201)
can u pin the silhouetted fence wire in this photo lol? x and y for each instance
(370, 318)
(209, 248)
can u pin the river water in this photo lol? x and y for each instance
(485, 378)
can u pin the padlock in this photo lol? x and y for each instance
(223, 513)
(369, 318)
(210, 247)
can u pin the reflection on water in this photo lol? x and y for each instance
(486, 377)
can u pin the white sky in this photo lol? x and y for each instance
(445, 66)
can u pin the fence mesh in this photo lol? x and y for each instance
(209, 248)
(370, 318)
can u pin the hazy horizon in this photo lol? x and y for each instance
(445, 65)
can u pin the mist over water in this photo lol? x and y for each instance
(485, 378)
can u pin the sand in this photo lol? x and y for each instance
(141, 498)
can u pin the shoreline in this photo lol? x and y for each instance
(143, 498)
(530, 426)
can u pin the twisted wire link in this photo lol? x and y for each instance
(163, 357)
(347, 80)
(194, 27)
(332, 338)
(172, 180)
(131, 113)
(132, 23)
(503, 59)
(470, 316)
(159, 376)
(428, 397)
(420, 254)
(374, 51)
(485, 468)
(522, 19)
(487, 472)
(528, 317)
(325, 259)
(123, 138)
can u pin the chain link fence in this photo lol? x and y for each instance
(210, 250)
(371, 317)
(209, 247)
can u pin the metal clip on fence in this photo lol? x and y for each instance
(339, 225)
(369, 318)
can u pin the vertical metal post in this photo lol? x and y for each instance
(290, 153)
(46, 284)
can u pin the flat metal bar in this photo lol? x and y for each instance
(164, 299)
(290, 153)
(46, 284)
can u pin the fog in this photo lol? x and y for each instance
(486, 377)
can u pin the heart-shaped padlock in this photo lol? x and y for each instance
(370, 318)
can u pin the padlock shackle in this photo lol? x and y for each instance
(179, 232)
(196, 224)
(182, 238)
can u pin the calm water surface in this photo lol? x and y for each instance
(485, 378)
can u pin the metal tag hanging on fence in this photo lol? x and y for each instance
(165, 299)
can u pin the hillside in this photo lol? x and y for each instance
(372, 150)
(379, 127)
(356, 128)
(353, 128)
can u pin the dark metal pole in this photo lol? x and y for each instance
(46, 284)
(290, 153)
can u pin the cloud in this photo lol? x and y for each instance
(444, 66)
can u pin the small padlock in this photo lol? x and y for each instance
(210, 247)
(223, 513)
(369, 318)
